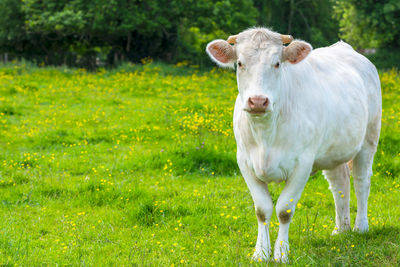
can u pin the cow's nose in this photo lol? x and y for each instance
(258, 104)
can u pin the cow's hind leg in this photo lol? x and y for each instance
(339, 181)
(362, 172)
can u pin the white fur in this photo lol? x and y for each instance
(323, 112)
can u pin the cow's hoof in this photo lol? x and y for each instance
(361, 226)
(335, 231)
(282, 259)
(281, 252)
(261, 255)
(343, 228)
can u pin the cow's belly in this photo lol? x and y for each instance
(327, 162)
(339, 150)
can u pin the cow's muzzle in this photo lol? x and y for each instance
(257, 104)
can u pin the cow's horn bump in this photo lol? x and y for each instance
(232, 39)
(286, 38)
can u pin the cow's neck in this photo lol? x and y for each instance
(263, 129)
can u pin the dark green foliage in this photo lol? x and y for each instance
(79, 31)
(310, 20)
(381, 17)
(386, 58)
(370, 23)
(84, 33)
(97, 33)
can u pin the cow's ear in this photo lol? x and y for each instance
(296, 51)
(221, 52)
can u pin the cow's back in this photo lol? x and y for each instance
(351, 99)
(345, 66)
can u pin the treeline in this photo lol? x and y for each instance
(88, 33)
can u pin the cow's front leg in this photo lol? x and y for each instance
(285, 209)
(264, 207)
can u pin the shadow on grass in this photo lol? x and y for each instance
(378, 247)
(196, 160)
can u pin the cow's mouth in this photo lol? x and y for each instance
(255, 112)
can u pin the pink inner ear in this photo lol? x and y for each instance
(301, 52)
(220, 52)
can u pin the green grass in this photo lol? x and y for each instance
(136, 166)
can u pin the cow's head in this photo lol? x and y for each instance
(260, 57)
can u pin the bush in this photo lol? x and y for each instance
(385, 59)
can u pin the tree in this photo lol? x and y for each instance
(369, 23)
(311, 20)
(209, 19)
(12, 32)
(77, 32)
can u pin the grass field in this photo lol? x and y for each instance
(136, 166)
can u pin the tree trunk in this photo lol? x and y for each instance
(128, 43)
(115, 58)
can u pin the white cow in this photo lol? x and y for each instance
(299, 111)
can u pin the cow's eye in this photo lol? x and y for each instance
(277, 65)
(240, 64)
